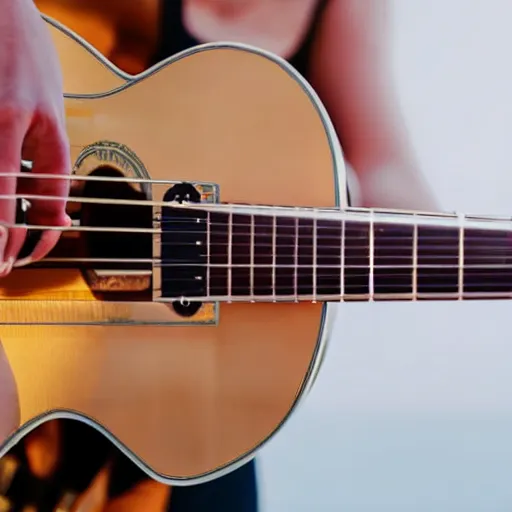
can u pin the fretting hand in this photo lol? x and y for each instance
(32, 127)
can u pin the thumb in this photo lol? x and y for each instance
(9, 403)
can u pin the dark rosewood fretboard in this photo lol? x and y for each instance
(364, 256)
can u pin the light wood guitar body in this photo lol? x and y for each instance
(186, 401)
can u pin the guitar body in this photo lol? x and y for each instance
(186, 401)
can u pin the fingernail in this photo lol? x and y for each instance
(23, 262)
(6, 267)
(3, 242)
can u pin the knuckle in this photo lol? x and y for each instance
(43, 122)
(62, 160)
(12, 106)
(14, 115)
(50, 130)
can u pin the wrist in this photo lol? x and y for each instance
(17, 18)
(11, 8)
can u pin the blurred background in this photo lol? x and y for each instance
(413, 406)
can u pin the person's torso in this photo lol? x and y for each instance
(136, 34)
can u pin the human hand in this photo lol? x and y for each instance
(9, 405)
(32, 127)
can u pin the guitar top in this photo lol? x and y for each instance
(177, 332)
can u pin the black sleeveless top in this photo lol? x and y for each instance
(175, 38)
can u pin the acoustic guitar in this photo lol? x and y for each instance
(186, 312)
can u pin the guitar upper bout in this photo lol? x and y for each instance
(85, 69)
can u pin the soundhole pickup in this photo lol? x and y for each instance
(184, 251)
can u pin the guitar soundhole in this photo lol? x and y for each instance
(116, 245)
(116, 258)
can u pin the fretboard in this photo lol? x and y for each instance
(365, 257)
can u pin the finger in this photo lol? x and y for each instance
(9, 404)
(46, 243)
(13, 126)
(51, 155)
(19, 234)
(49, 150)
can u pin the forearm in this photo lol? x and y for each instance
(12, 12)
(9, 6)
(394, 187)
(350, 71)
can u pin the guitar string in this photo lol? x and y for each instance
(280, 255)
(169, 182)
(333, 284)
(356, 231)
(331, 281)
(396, 249)
(151, 181)
(169, 262)
(381, 242)
(380, 236)
(332, 278)
(79, 177)
(123, 179)
(263, 228)
(272, 211)
(347, 214)
(392, 252)
(209, 223)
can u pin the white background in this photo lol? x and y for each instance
(413, 408)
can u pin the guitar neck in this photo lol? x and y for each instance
(261, 254)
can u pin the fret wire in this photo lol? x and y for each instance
(251, 267)
(371, 279)
(455, 275)
(357, 297)
(274, 256)
(342, 260)
(208, 250)
(461, 257)
(314, 259)
(230, 253)
(415, 262)
(296, 260)
(363, 267)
